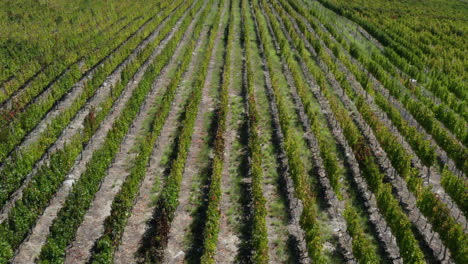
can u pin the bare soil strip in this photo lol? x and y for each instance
(76, 125)
(228, 238)
(176, 250)
(143, 209)
(32, 245)
(92, 226)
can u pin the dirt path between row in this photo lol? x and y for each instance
(143, 209)
(228, 238)
(32, 245)
(92, 227)
(175, 250)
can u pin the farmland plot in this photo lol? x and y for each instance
(233, 131)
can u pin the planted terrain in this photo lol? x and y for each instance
(233, 131)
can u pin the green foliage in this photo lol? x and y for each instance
(415, 52)
(389, 206)
(259, 234)
(49, 176)
(401, 161)
(39, 42)
(21, 162)
(298, 172)
(456, 187)
(449, 230)
(168, 200)
(70, 216)
(363, 249)
(211, 230)
(123, 203)
(407, 56)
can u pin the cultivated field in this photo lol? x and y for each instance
(233, 131)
